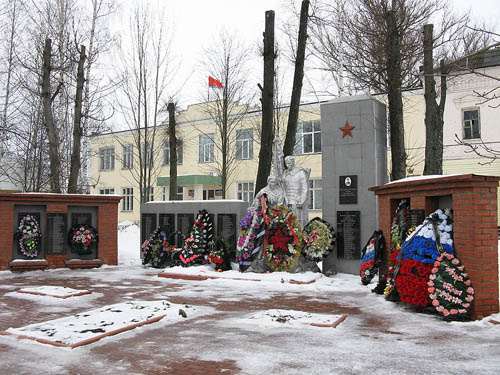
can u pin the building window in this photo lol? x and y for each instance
(146, 153)
(207, 148)
(471, 124)
(180, 193)
(128, 156)
(244, 144)
(128, 199)
(245, 191)
(308, 137)
(107, 158)
(166, 152)
(209, 195)
(108, 191)
(315, 195)
(151, 193)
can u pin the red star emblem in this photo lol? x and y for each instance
(347, 129)
(279, 241)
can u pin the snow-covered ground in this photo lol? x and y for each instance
(248, 323)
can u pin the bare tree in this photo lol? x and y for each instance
(298, 77)
(77, 127)
(172, 139)
(265, 153)
(228, 106)
(145, 72)
(68, 24)
(433, 111)
(378, 43)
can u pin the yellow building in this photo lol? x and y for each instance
(115, 159)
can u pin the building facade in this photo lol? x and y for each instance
(467, 117)
(115, 159)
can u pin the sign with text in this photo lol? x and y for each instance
(57, 233)
(348, 189)
(348, 234)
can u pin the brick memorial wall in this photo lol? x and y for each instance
(473, 199)
(55, 213)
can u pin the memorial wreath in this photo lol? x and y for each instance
(82, 238)
(318, 239)
(284, 238)
(252, 230)
(28, 234)
(158, 251)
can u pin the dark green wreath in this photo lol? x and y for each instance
(83, 239)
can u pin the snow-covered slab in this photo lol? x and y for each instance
(208, 273)
(292, 318)
(90, 326)
(54, 291)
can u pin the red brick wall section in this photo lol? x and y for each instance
(107, 222)
(7, 232)
(475, 211)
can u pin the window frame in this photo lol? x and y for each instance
(313, 190)
(314, 135)
(471, 127)
(128, 156)
(244, 142)
(248, 193)
(106, 158)
(128, 199)
(166, 152)
(206, 151)
(180, 193)
(110, 191)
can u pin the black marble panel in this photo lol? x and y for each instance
(148, 225)
(81, 218)
(226, 228)
(348, 189)
(57, 233)
(348, 234)
(416, 217)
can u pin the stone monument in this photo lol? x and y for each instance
(354, 149)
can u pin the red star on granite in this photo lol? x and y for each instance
(347, 129)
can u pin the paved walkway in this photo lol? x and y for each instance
(378, 337)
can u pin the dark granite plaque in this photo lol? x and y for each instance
(81, 218)
(57, 233)
(148, 225)
(185, 224)
(416, 217)
(167, 222)
(348, 189)
(226, 228)
(348, 234)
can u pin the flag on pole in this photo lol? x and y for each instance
(212, 82)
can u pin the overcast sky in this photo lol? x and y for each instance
(197, 23)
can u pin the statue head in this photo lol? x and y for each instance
(289, 162)
(272, 181)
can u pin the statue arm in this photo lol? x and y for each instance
(304, 194)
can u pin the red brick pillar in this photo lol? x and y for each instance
(7, 232)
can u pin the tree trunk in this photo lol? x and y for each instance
(225, 139)
(433, 114)
(298, 77)
(395, 98)
(76, 162)
(266, 146)
(55, 166)
(172, 141)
